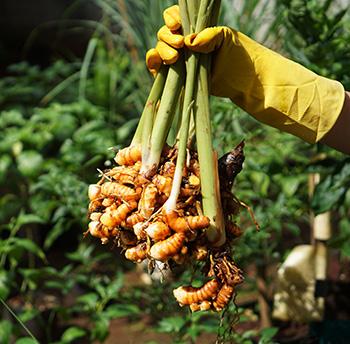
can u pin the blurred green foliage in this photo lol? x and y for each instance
(319, 34)
(26, 85)
(57, 127)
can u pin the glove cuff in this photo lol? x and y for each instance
(276, 90)
(332, 95)
(312, 111)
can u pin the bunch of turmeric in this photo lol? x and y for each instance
(127, 208)
(217, 292)
(169, 198)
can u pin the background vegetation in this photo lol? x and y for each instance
(58, 125)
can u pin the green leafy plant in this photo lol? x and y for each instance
(320, 32)
(57, 126)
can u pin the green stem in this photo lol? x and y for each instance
(192, 7)
(85, 67)
(209, 178)
(175, 125)
(185, 18)
(191, 78)
(215, 13)
(192, 132)
(19, 320)
(13, 231)
(147, 113)
(204, 14)
(164, 118)
(170, 204)
(209, 175)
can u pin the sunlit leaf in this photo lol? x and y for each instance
(332, 190)
(171, 324)
(12, 245)
(122, 310)
(4, 285)
(89, 299)
(100, 330)
(24, 219)
(26, 340)
(5, 331)
(28, 314)
(72, 333)
(30, 163)
(267, 334)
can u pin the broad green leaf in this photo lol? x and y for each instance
(345, 248)
(89, 299)
(30, 163)
(122, 310)
(5, 331)
(11, 118)
(24, 219)
(290, 185)
(72, 333)
(59, 213)
(31, 276)
(248, 334)
(28, 314)
(261, 182)
(332, 189)
(27, 245)
(101, 289)
(115, 285)
(82, 254)
(101, 327)
(327, 195)
(64, 127)
(26, 340)
(59, 285)
(194, 331)
(267, 334)
(171, 324)
(4, 285)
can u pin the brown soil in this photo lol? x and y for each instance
(124, 332)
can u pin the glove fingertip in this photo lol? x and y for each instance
(153, 60)
(172, 24)
(190, 38)
(191, 42)
(168, 54)
(205, 41)
(174, 39)
(172, 18)
(172, 60)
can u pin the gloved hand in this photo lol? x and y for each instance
(272, 88)
(169, 39)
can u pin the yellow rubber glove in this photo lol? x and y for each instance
(169, 39)
(272, 88)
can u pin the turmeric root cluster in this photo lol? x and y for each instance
(217, 292)
(127, 209)
(223, 274)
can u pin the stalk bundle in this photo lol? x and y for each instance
(172, 203)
